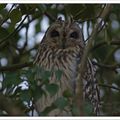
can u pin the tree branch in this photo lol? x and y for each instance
(15, 67)
(113, 42)
(111, 67)
(50, 16)
(26, 52)
(7, 16)
(9, 106)
(82, 66)
(109, 86)
(14, 32)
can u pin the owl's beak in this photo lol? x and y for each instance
(64, 44)
(63, 41)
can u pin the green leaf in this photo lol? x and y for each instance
(75, 110)
(61, 103)
(52, 88)
(67, 93)
(37, 93)
(3, 32)
(44, 74)
(11, 79)
(15, 16)
(2, 6)
(75, 10)
(37, 27)
(58, 74)
(25, 95)
(88, 108)
(42, 7)
(29, 74)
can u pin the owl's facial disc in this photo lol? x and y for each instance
(63, 35)
(64, 38)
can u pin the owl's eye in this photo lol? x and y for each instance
(54, 33)
(74, 35)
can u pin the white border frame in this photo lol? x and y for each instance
(59, 1)
(60, 118)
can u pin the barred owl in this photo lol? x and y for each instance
(62, 49)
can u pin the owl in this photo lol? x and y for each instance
(62, 49)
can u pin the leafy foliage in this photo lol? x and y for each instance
(61, 103)
(21, 27)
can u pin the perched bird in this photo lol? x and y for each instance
(62, 49)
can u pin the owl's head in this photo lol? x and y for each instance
(64, 34)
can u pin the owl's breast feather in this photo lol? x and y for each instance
(65, 60)
(58, 59)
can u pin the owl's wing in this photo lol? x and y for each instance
(91, 88)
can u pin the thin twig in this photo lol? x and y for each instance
(114, 42)
(21, 50)
(15, 67)
(49, 16)
(101, 27)
(26, 52)
(111, 67)
(82, 66)
(91, 19)
(37, 15)
(7, 16)
(98, 31)
(109, 86)
(14, 32)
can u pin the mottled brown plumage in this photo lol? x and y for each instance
(61, 49)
